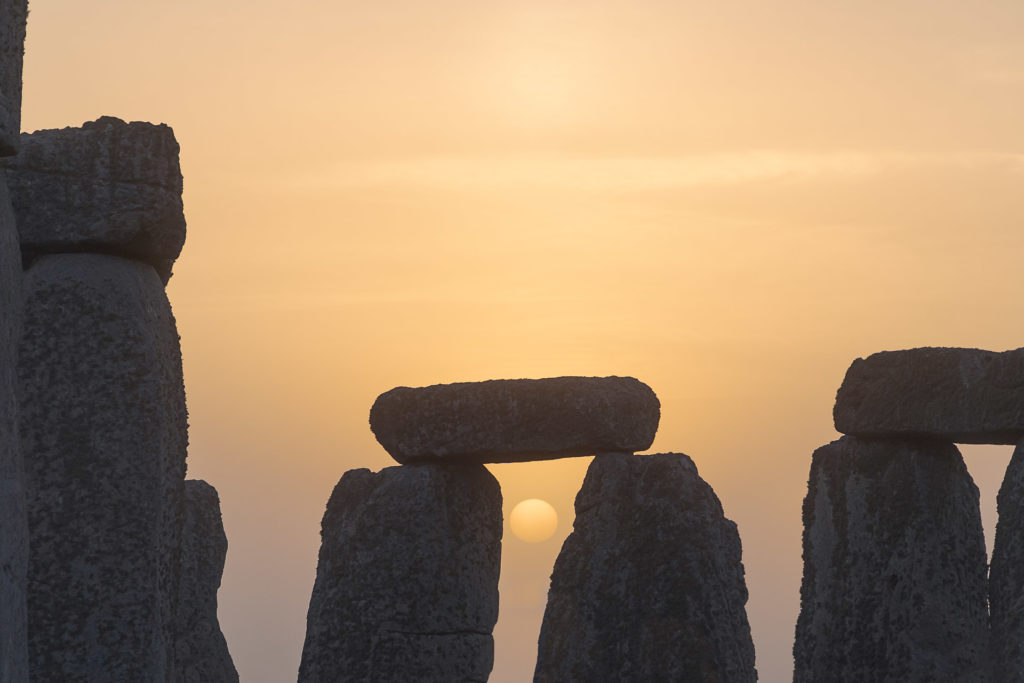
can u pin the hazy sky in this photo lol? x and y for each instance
(730, 201)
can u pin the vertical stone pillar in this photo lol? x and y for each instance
(649, 586)
(13, 529)
(1006, 575)
(201, 651)
(894, 585)
(407, 580)
(103, 420)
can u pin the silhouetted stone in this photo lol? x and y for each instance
(202, 653)
(516, 420)
(649, 585)
(103, 431)
(12, 48)
(13, 528)
(407, 580)
(961, 395)
(894, 585)
(107, 187)
(1006, 576)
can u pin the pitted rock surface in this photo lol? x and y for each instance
(407, 580)
(103, 431)
(894, 586)
(516, 420)
(13, 528)
(1006, 575)
(12, 48)
(107, 187)
(201, 650)
(960, 395)
(649, 586)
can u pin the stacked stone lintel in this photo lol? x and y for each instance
(902, 411)
(13, 526)
(103, 419)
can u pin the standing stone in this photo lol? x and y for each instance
(201, 651)
(649, 585)
(13, 528)
(1006, 576)
(407, 580)
(515, 420)
(104, 436)
(894, 586)
(960, 395)
(106, 187)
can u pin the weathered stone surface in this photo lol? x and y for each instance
(516, 420)
(12, 47)
(107, 187)
(201, 651)
(649, 586)
(103, 432)
(407, 580)
(1006, 575)
(894, 585)
(961, 395)
(13, 529)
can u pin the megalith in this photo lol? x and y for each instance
(516, 420)
(407, 579)
(13, 528)
(1006, 575)
(103, 430)
(649, 586)
(894, 584)
(201, 651)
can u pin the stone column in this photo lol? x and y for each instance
(1006, 575)
(407, 580)
(103, 420)
(13, 529)
(894, 585)
(201, 651)
(649, 586)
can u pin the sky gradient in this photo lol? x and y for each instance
(730, 201)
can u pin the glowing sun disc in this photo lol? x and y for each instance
(533, 520)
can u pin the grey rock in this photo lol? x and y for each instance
(516, 420)
(1006, 575)
(103, 432)
(107, 187)
(961, 395)
(894, 585)
(201, 650)
(649, 586)
(13, 528)
(407, 580)
(12, 48)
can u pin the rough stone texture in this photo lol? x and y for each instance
(107, 187)
(516, 420)
(13, 529)
(12, 48)
(894, 586)
(201, 651)
(649, 586)
(961, 395)
(407, 581)
(103, 432)
(1006, 575)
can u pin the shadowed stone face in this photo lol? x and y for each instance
(649, 586)
(103, 430)
(107, 187)
(516, 420)
(959, 395)
(12, 47)
(202, 652)
(407, 579)
(1006, 577)
(894, 585)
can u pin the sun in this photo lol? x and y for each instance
(533, 520)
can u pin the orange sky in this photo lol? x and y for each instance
(730, 201)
